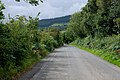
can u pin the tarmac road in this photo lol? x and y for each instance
(71, 63)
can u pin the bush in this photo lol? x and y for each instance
(22, 44)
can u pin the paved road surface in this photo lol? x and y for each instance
(71, 63)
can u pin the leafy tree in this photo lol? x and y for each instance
(1, 8)
(48, 41)
(97, 18)
(22, 43)
(57, 35)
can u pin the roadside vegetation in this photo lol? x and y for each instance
(22, 44)
(107, 48)
(97, 29)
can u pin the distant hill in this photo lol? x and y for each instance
(50, 22)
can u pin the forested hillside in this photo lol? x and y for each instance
(50, 22)
(97, 28)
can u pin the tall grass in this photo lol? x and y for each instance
(107, 48)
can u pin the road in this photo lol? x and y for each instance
(71, 63)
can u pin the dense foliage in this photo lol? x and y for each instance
(97, 18)
(22, 44)
(97, 27)
(107, 48)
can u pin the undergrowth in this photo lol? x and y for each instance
(108, 48)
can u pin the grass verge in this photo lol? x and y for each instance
(106, 55)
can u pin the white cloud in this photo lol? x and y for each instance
(49, 9)
(75, 8)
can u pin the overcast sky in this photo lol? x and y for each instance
(48, 9)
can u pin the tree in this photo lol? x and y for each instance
(1, 8)
(76, 26)
(98, 17)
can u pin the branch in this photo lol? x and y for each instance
(32, 2)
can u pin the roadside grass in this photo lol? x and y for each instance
(106, 55)
(13, 72)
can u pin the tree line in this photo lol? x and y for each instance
(22, 44)
(97, 18)
(97, 28)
